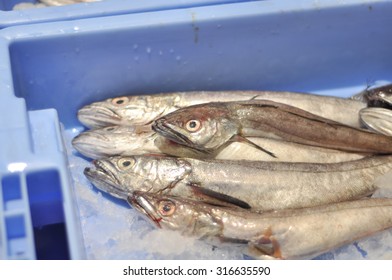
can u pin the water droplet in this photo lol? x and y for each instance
(171, 51)
(219, 26)
(76, 28)
(77, 50)
(136, 58)
(160, 52)
(135, 46)
(148, 50)
(178, 58)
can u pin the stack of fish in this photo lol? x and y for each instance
(287, 175)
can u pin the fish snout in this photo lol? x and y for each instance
(93, 116)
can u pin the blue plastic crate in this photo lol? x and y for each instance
(38, 216)
(50, 70)
(8, 17)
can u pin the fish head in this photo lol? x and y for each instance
(381, 94)
(121, 175)
(123, 110)
(190, 217)
(204, 127)
(115, 175)
(115, 140)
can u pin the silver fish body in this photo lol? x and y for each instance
(144, 109)
(249, 184)
(207, 127)
(294, 234)
(137, 140)
(377, 119)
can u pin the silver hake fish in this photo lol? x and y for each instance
(285, 234)
(248, 184)
(136, 140)
(206, 127)
(144, 109)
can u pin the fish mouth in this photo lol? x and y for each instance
(104, 179)
(167, 130)
(138, 201)
(93, 116)
(93, 145)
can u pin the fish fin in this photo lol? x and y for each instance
(235, 241)
(254, 97)
(238, 138)
(287, 109)
(258, 254)
(221, 199)
(263, 251)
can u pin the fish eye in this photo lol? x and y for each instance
(110, 128)
(120, 101)
(125, 163)
(193, 125)
(166, 207)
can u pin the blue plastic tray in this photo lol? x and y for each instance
(8, 17)
(49, 70)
